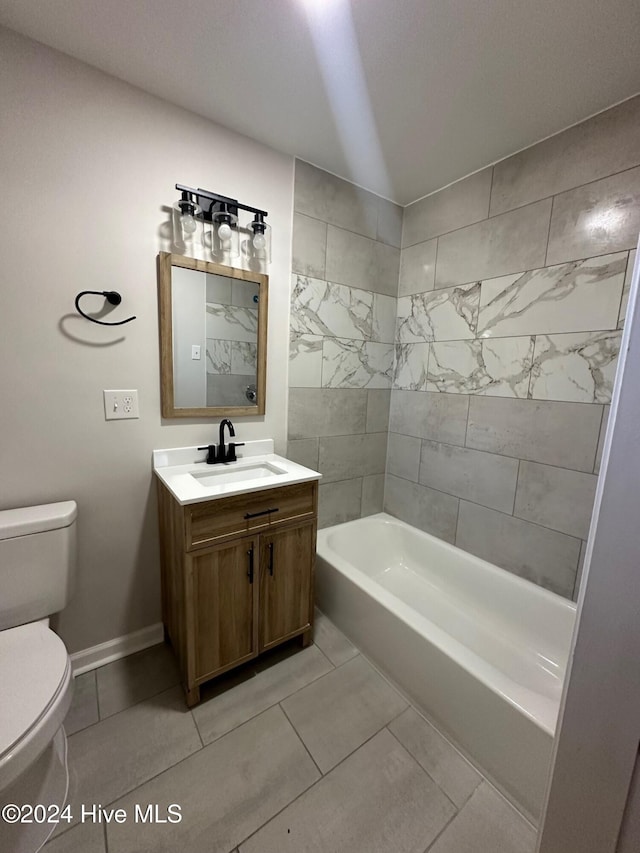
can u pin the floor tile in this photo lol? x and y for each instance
(331, 642)
(226, 791)
(453, 773)
(343, 709)
(117, 754)
(487, 823)
(247, 699)
(84, 705)
(134, 678)
(84, 838)
(377, 801)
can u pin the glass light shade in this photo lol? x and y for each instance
(224, 236)
(185, 223)
(258, 246)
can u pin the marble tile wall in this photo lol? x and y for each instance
(512, 295)
(346, 260)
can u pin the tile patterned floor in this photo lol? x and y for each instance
(303, 751)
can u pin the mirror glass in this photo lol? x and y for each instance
(213, 338)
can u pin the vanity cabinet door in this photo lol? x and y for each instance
(225, 602)
(287, 559)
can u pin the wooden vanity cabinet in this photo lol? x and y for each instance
(237, 577)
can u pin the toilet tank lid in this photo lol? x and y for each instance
(37, 519)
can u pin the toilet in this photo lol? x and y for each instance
(37, 571)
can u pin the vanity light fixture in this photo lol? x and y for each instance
(187, 210)
(222, 212)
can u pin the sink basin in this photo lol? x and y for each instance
(227, 474)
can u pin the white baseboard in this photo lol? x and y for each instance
(117, 648)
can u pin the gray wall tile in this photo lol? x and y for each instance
(564, 434)
(422, 507)
(540, 555)
(440, 417)
(304, 451)
(331, 199)
(389, 222)
(596, 219)
(556, 498)
(326, 411)
(484, 478)
(344, 457)
(509, 243)
(601, 146)
(360, 262)
(378, 403)
(460, 204)
(403, 456)
(309, 246)
(417, 268)
(372, 494)
(338, 502)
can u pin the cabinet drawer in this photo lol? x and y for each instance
(213, 521)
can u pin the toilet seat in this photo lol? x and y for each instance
(35, 674)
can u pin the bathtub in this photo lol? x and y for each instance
(480, 651)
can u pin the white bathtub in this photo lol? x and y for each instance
(482, 652)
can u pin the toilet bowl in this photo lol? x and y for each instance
(37, 567)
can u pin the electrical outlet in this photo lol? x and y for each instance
(119, 405)
(195, 352)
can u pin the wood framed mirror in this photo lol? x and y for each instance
(213, 338)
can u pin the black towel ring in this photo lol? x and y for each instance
(112, 297)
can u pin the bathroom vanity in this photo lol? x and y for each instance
(237, 548)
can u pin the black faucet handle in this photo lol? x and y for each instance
(231, 454)
(211, 453)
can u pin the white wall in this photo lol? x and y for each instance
(88, 164)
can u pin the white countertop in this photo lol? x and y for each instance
(180, 468)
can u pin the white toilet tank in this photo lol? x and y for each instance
(37, 561)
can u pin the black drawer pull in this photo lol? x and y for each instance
(250, 572)
(262, 512)
(271, 558)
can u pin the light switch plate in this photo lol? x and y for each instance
(119, 405)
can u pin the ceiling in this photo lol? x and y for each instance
(399, 96)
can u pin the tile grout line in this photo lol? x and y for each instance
(501, 512)
(299, 736)
(423, 769)
(95, 683)
(510, 209)
(546, 248)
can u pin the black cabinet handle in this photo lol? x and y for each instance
(262, 512)
(250, 572)
(271, 558)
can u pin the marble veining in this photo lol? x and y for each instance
(410, 370)
(332, 310)
(576, 367)
(356, 364)
(218, 356)
(305, 361)
(232, 322)
(244, 357)
(573, 297)
(448, 314)
(500, 367)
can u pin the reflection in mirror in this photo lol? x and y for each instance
(215, 332)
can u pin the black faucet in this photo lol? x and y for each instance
(222, 454)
